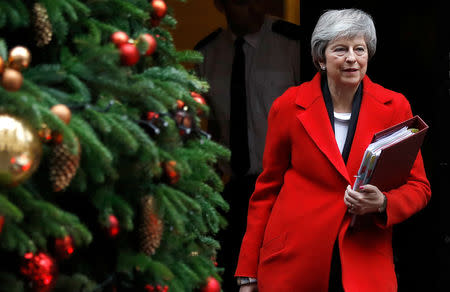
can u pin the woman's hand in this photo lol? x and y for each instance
(253, 287)
(368, 200)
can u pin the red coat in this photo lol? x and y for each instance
(297, 209)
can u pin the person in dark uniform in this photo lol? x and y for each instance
(247, 65)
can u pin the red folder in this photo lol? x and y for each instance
(395, 161)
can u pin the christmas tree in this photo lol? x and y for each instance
(107, 181)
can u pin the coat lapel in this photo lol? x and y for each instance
(314, 117)
(374, 113)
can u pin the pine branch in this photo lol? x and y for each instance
(9, 210)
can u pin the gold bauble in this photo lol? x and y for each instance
(63, 112)
(20, 150)
(2, 65)
(12, 79)
(19, 58)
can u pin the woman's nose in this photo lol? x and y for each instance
(351, 58)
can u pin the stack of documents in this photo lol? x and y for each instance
(374, 150)
(388, 160)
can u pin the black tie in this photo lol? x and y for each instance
(240, 161)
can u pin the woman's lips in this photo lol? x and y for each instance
(350, 70)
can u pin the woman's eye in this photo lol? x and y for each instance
(340, 50)
(360, 50)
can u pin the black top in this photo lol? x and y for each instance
(209, 38)
(290, 30)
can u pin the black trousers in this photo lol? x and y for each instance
(335, 282)
(237, 193)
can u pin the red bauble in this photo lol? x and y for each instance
(129, 54)
(40, 269)
(119, 38)
(180, 104)
(2, 221)
(152, 115)
(151, 43)
(198, 98)
(158, 288)
(113, 227)
(170, 171)
(159, 9)
(64, 247)
(212, 285)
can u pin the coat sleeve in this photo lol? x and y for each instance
(276, 161)
(414, 195)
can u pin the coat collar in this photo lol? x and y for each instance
(313, 115)
(312, 91)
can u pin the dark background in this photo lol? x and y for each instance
(412, 58)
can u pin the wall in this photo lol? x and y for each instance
(198, 18)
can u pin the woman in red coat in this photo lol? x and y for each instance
(300, 211)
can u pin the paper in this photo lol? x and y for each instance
(373, 152)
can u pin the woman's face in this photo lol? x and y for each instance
(346, 61)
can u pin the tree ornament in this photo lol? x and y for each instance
(212, 285)
(40, 269)
(154, 122)
(159, 9)
(113, 226)
(151, 41)
(129, 54)
(152, 116)
(63, 112)
(171, 174)
(64, 247)
(181, 105)
(214, 260)
(151, 229)
(2, 221)
(63, 165)
(158, 288)
(45, 133)
(12, 79)
(56, 138)
(2, 65)
(199, 99)
(119, 38)
(184, 121)
(42, 25)
(19, 58)
(20, 150)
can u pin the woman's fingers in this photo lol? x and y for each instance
(366, 200)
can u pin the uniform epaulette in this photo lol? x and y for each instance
(209, 38)
(290, 30)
